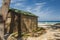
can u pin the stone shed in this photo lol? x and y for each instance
(20, 21)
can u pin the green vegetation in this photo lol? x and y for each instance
(35, 33)
(38, 29)
(21, 12)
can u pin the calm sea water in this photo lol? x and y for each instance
(49, 22)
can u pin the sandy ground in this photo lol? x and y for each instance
(47, 36)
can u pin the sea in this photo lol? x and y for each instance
(48, 22)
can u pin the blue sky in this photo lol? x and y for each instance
(47, 10)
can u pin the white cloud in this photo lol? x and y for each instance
(39, 6)
(18, 4)
(42, 3)
(46, 14)
(14, 1)
(29, 8)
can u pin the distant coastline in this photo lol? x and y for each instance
(48, 21)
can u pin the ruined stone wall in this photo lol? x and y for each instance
(28, 23)
(15, 29)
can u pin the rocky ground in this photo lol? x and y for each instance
(49, 35)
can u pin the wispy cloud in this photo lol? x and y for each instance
(16, 1)
(42, 3)
(41, 8)
(36, 8)
(18, 4)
